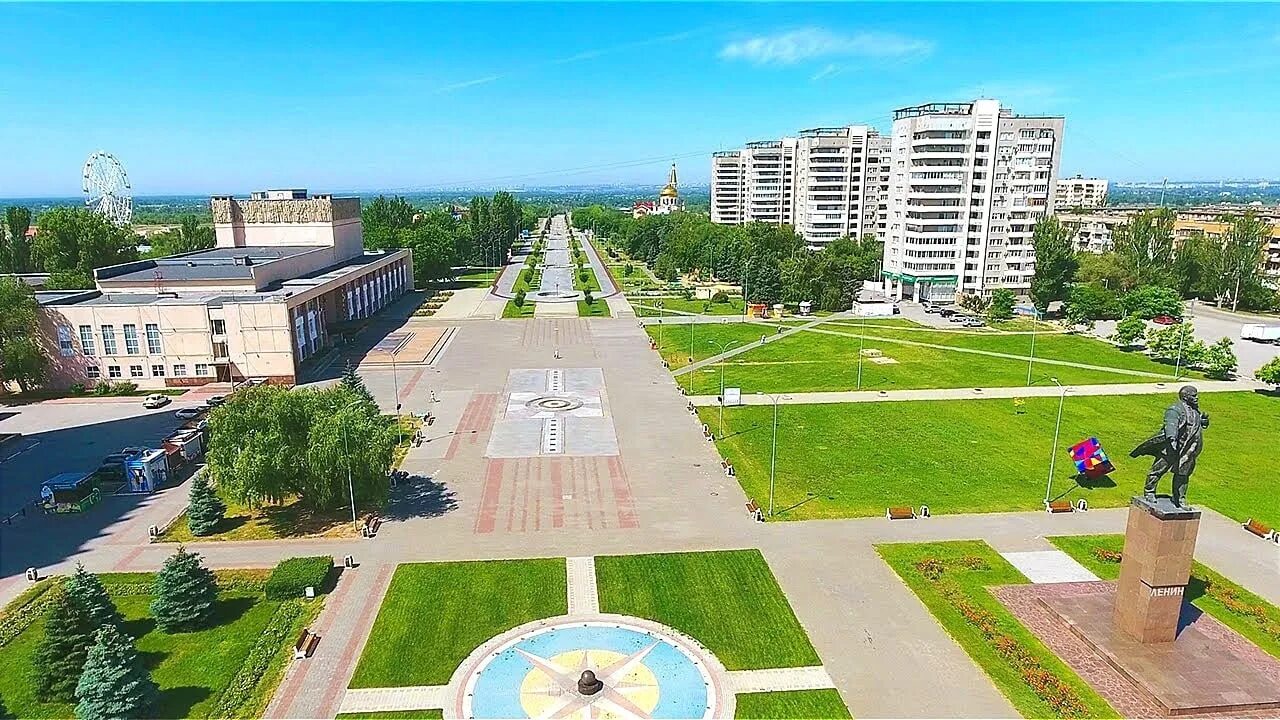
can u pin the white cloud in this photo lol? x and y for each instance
(468, 83)
(830, 70)
(793, 46)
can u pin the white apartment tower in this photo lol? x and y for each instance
(768, 171)
(727, 188)
(1080, 192)
(967, 184)
(835, 182)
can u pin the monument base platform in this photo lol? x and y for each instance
(1208, 670)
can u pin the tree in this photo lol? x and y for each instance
(81, 240)
(204, 508)
(86, 589)
(184, 593)
(1269, 373)
(1056, 262)
(16, 256)
(1088, 302)
(1102, 268)
(115, 683)
(382, 217)
(1144, 247)
(69, 280)
(1220, 360)
(352, 381)
(1129, 331)
(1150, 301)
(22, 360)
(355, 438)
(60, 656)
(1243, 251)
(1177, 344)
(519, 298)
(1001, 307)
(189, 236)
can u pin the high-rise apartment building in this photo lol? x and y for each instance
(835, 186)
(768, 171)
(967, 184)
(727, 187)
(1080, 192)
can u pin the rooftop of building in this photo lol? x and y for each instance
(960, 108)
(219, 263)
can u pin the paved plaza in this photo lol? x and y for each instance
(566, 438)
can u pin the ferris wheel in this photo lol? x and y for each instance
(106, 188)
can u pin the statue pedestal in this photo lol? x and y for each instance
(1159, 542)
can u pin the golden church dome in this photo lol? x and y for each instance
(669, 191)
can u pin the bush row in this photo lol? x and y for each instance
(1230, 597)
(254, 669)
(292, 577)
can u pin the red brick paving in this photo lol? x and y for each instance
(1128, 700)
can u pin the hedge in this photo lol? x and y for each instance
(26, 609)
(292, 577)
(275, 635)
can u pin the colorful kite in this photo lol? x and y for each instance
(1091, 460)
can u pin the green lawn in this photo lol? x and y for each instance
(856, 459)
(1237, 608)
(816, 704)
(597, 308)
(968, 567)
(729, 601)
(513, 311)
(191, 669)
(395, 715)
(674, 305)
(435, 614)
(476, 277)
(813, 361)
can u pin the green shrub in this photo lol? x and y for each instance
(519, 301)
(292, 577)
(273, 637)
(720, 297)
(77, 389)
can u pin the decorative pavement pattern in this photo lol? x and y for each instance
(1049, 566)
(645, 670)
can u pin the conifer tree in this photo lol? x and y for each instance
(85, 588)
(184, 593)
(60, 656)
(115, 684)
(352, 381)
(204, 508)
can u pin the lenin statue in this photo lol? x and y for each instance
(1177, 445)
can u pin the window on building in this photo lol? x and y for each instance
(219, 349)
(113, 371)
(219, 327)
(135, 371)
(65, 348)
(179, 370)
(202, 369)
(86, 339)
(93, 372)
(153, 339)
(131, 339)
(109, 340)
(157, 371)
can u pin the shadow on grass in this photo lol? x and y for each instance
(298, 520)
(228, 524)
(419, 496)
(811, 497)
(177, 702)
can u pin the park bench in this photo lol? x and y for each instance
(1263, 531)
(905, 512)
(1059, 506)
(755, 511)
(305, 645)
(370, 526)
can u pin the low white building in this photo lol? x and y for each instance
(287, 272)
(1080, 192)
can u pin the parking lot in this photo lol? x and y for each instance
(59, 436)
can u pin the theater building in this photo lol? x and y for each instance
(288, 271)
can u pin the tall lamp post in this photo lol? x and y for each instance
(691, 371)
(1035, 320)
(724, 348)
(346, 447)
(395, 383)
(773, 454)
(1062, 396)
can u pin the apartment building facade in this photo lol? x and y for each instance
(1080, 192)
(835, 182)
(968, 183)
(728, 187)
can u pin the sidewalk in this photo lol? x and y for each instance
(857, 396)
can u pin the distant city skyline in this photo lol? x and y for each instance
(202, 99)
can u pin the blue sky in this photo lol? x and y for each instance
(211, 98)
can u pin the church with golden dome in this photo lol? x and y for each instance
(668, 199)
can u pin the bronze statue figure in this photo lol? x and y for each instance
(1177, 445)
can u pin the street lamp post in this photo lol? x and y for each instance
(346, 447)
(395, 383)
(1177, 367)
(691, 371)
(773, 454)
(1056, 427)
(724, 348)
(1035, 320)
(862, 337)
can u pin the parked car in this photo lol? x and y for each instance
(930, 308)
(974, 322)
(1165, 320)
(155, 400)
(947, 312)
(189, 413)
(1260, 333)
(215, 400)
